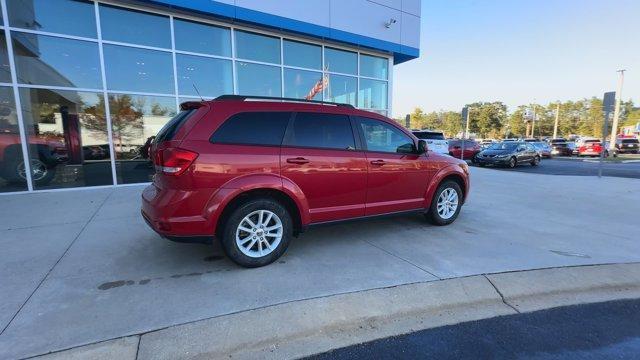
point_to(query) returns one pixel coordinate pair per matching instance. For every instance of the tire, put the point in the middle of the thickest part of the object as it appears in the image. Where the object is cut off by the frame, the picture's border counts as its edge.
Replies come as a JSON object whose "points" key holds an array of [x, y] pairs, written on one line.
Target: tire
{"points": [[15, 172], [535, 161], [441, 218], [250, 255], [513, 162]]}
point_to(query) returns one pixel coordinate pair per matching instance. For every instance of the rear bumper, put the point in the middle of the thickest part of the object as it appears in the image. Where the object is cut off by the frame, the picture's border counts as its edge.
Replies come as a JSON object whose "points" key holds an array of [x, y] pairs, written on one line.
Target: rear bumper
{"points": [[627, 150], [176, 215]]}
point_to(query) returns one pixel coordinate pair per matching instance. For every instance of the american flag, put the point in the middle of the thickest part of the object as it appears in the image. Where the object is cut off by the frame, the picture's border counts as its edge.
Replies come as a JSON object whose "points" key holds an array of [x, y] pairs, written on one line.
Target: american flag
{"points": [[318, 87]]}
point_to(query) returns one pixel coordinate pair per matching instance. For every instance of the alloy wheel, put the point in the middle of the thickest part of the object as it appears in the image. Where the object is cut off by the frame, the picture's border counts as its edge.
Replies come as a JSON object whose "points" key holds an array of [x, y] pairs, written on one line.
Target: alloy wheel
{"points": [[447, 203], [38, 170], [259, 233]]}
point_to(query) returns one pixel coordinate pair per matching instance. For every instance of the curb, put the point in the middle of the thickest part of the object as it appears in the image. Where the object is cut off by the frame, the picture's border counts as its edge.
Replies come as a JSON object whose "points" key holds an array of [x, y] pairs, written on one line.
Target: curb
{"points": [[307, 327]]}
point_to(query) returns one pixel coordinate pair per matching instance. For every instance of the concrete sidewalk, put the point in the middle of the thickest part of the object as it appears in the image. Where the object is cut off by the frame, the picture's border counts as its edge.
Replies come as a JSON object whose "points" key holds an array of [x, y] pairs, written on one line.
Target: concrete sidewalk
{"points": [[80, 267]]}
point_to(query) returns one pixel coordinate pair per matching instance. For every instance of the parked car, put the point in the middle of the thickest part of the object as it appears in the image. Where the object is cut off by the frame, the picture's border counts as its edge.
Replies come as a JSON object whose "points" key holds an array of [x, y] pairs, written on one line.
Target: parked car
{"points": [[254, 172], [627, 145], [436, 141], [486, 143], [562, 148], [543, 148], [471, 148], [509, 154], [557, 141], [592, 147]]}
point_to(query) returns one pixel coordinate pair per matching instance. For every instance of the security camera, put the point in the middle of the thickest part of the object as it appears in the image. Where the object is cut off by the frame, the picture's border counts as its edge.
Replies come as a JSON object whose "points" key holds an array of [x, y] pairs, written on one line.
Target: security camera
{"points": [[390, 22]]}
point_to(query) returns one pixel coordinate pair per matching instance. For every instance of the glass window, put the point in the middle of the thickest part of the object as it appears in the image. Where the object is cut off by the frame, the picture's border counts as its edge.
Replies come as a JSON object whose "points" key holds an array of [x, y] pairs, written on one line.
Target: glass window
{"points": [[300, 84], [48, 60], [302, 55], [12, 176], [322, 131], [380, 136], [201, 38], [373, 94], [341, 89], [258, 80], [170, 129], [212, 77], [253, 128], [68, 142], [70, 17], [257, 47], [340, 61], [5, 69], [135, 120], [133, 69], [136, 27], [373, 66]]}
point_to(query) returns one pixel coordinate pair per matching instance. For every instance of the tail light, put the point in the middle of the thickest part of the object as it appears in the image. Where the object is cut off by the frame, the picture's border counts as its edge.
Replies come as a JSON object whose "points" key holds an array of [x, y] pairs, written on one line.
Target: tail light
{"points": [[174, 161]]}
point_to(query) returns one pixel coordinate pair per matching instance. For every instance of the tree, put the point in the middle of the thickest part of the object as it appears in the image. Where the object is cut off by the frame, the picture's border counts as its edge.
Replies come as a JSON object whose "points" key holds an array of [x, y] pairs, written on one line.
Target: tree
{"points": [[487, 119]]}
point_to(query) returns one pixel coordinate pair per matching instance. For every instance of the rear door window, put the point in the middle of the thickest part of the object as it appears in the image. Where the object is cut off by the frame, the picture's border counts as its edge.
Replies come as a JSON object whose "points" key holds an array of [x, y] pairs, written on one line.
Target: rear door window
{"points": [[253, 128], [328, 131]]}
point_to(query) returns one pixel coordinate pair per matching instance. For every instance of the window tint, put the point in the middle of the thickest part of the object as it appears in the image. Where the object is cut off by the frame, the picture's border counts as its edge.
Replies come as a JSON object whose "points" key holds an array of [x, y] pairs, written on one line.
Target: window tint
{"points": [[380, 136], [322, 131], [254, 128], [429, 135]]}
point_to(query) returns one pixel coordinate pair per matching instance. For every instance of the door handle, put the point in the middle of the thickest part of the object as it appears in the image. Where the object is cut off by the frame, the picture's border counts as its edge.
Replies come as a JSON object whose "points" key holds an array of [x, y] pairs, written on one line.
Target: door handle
{"points": [[298, 160], [378, 162]]}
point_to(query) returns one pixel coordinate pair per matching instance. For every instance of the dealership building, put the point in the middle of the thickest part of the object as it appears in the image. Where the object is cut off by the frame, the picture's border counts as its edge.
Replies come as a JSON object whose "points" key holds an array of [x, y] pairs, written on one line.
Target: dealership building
{"points": [[85, 84]]}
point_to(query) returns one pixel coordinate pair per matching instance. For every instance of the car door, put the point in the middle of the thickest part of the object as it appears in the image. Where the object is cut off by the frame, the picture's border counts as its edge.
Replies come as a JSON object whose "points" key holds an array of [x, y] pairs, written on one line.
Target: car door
{"points": [[521, 153], [319, 154], [397, 175]]}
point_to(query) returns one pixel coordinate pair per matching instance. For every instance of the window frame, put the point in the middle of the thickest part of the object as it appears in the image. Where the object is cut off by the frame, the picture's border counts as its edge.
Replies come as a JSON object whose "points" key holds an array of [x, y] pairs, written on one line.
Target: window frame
{"points": [[286, 142], [363, 140], [284, 134]]}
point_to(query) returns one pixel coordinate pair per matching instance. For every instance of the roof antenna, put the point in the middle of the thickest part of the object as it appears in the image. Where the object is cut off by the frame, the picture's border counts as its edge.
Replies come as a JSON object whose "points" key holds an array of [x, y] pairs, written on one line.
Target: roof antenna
{"points": [[198, 92]]}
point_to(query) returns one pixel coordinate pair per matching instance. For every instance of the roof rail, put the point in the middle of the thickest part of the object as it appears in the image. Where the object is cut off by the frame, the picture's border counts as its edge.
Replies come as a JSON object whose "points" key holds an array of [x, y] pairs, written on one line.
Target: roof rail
{"points": [[274, 98]]}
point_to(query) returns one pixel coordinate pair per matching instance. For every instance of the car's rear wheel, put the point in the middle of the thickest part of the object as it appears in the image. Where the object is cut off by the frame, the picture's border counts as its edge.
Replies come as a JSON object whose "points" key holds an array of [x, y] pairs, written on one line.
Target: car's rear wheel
{"points": [[535, 161], [512, 162], [257, 233], [40, 173], [446, 203]]}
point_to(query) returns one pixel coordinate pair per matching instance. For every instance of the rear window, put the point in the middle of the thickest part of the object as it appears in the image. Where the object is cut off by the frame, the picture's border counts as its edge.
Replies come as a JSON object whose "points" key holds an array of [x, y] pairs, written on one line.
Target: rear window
{"points": [[428, 135], [630, 141], [170, 129], [591, 141], [328, 131], [253, 128]]}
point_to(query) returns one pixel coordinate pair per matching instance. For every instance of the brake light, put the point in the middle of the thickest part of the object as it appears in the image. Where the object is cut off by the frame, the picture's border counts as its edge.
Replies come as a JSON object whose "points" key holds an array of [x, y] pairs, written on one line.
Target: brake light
{"points": [[174, 161]]}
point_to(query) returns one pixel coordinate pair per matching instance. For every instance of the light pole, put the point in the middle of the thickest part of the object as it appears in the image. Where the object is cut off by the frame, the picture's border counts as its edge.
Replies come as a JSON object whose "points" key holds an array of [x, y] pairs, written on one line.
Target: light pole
{"points": [[533, 120], [616, 113], [555, 125]]}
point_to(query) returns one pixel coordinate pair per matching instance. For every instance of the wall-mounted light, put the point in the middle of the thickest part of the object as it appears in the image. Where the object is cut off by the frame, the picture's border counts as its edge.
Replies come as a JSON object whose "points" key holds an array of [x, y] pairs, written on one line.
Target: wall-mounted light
{"points": [[390, 22]]}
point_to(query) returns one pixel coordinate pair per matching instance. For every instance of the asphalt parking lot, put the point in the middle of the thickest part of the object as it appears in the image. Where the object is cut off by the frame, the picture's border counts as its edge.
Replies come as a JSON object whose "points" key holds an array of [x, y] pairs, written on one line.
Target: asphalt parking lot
{"points": [[81, 266], [581, 167]]}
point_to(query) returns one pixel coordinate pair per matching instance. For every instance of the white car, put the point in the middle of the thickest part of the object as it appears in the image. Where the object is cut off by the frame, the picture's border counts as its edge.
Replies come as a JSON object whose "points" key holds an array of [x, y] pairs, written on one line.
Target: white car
{"points": [[436, 141]]}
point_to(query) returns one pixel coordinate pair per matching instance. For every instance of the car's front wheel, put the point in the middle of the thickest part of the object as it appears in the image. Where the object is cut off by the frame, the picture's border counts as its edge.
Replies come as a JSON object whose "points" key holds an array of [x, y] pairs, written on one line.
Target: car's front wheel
{"points": [[535, 161], [257, 233], [446, 203], [512, 162]]}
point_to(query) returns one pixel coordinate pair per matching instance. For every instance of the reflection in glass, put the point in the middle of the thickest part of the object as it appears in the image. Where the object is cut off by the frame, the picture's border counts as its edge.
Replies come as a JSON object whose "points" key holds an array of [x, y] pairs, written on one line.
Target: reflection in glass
{"points": [[257, 47], [340, 61], [48, 60], [5, 69], [373, 66], [299, 84], [12, 174], [133, 69], [212, 77], [71, 17], [135, 120], [258, 80], [341, 89], [302, 55], [68, 143], [373, 94], [201, 38], [136, 27]]}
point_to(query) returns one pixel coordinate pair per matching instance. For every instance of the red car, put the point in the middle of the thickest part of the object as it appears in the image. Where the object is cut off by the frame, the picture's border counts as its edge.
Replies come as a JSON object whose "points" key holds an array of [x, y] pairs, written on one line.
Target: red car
{"points": [[46, 154], [471, 148], [592, 148], [253, 172]]}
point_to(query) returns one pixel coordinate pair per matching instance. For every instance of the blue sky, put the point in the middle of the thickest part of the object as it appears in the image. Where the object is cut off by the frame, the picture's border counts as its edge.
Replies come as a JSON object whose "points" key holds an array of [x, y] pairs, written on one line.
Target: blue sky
{"points": [[518, 51]]}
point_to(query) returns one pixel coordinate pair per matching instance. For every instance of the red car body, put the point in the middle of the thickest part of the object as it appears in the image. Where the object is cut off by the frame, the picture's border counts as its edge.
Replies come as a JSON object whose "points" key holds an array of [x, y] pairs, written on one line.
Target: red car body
{"points": [[196, 179], [471, 148], [591, 148]]}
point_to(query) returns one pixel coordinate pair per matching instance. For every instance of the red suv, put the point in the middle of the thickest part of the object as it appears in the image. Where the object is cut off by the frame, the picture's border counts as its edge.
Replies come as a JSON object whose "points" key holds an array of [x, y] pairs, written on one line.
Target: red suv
{"points": [[253, 172]]}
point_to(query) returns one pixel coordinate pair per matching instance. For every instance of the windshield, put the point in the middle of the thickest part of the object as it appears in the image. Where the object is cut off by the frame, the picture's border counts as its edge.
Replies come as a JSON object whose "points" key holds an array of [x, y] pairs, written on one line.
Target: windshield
{"points": [[427, 135], [504, 146], [630, 141]]}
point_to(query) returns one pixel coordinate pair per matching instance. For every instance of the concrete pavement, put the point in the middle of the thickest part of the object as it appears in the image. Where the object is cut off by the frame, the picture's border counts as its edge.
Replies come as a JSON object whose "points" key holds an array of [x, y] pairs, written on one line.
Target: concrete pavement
{"points": [[81, 267]]}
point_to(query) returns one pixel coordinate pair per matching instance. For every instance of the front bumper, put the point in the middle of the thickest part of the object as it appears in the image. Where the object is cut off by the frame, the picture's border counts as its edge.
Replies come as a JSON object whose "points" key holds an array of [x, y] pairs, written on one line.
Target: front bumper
{"points": [[492, 160]]}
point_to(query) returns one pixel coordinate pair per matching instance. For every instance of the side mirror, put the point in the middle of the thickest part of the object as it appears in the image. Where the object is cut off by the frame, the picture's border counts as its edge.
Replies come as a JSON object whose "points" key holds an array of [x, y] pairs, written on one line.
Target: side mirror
{"points": [[422, 146]]}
